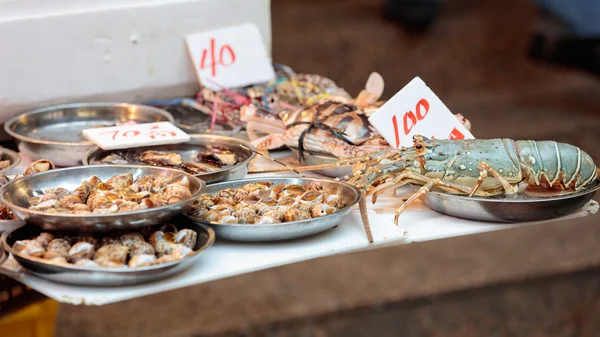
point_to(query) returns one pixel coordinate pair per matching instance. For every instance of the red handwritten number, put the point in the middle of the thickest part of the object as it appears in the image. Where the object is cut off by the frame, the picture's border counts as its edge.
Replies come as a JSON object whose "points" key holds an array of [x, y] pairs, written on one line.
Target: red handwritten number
{"points": [[455, 134], [395, 122], [224, 49], [131, 133], [411, 119], [422, 103]]}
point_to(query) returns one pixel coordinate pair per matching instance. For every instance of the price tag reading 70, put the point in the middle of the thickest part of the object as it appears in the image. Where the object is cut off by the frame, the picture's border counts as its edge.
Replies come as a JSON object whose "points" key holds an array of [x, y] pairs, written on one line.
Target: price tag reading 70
{"points": [[153, 132], [416, 110], [146, 134], [230, 57]]}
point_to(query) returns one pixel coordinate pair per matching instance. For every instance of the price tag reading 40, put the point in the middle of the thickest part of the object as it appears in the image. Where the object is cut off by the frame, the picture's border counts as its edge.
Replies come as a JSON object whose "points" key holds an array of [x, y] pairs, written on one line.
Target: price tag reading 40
{"points": [[416, 110], [230, 57], [136, 135]]}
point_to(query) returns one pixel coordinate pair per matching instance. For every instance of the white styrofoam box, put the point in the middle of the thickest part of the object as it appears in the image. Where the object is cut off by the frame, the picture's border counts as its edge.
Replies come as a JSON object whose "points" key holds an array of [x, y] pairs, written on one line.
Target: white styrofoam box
{"points": [[59, 51]]}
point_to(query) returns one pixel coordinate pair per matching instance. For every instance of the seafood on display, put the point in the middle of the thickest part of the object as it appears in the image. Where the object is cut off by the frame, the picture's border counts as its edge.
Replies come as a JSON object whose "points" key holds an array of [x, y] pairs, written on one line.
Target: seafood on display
{"points": [[209, 161], [122, 250], [288, 91], [482, 167], [120, 193], [266, 203], [334, 125], [4, 163], [37, 166]]}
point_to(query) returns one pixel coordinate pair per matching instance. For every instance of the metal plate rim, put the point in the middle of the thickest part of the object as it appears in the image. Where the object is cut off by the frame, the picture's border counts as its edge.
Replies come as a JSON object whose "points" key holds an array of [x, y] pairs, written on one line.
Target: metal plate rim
{"points": [[283, 224], [3, 189], [586, 191], [23, 138], [92, 151], [14, 156], [114, 271]]}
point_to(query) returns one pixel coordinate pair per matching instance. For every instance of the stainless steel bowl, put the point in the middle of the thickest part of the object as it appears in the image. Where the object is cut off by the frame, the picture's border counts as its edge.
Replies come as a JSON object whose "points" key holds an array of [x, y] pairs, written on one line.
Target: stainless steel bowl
{"points": [[14, 157], [314, 158], [55, 132], [3, 254], [286, 230], [16, 196], [7, 225], [99, 277], [198, 143], [508, 209]]}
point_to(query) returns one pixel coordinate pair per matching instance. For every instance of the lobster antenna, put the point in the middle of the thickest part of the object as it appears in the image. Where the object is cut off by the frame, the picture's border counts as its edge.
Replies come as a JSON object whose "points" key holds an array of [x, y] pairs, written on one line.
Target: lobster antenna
{"points": [[272, 159]]}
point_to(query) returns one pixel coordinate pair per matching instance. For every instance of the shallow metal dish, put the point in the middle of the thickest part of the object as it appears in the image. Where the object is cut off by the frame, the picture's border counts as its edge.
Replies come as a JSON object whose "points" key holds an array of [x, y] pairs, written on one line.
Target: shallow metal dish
{"points": [[286, 230], [99, 277], [7, 225], [315, 158], [3, 254], [507, 209], [55, 132], [16, 196], [14, 157], [198, 143]]}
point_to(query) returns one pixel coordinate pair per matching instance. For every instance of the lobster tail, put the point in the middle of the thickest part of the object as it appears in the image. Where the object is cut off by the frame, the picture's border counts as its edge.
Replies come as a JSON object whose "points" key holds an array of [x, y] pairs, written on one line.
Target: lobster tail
{"points": [[559, 165]]}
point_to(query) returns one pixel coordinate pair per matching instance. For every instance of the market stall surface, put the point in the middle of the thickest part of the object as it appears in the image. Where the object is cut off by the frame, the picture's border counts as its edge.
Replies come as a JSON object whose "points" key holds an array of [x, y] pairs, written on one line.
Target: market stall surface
{"points": [[226, 259]]}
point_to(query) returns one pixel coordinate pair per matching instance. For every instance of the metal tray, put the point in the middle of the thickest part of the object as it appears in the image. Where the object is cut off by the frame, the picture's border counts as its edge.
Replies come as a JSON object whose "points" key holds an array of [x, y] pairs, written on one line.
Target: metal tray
{"points": [[55, 132], [99, 277], [286, 230], [7, 225], [314, 158], [505, 208], [14, 157], [198, 143], [16, 196]]}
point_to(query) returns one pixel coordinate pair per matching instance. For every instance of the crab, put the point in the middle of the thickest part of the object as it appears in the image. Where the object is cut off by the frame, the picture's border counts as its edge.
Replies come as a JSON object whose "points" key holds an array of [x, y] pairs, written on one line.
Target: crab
{"points": [[335, 125]]}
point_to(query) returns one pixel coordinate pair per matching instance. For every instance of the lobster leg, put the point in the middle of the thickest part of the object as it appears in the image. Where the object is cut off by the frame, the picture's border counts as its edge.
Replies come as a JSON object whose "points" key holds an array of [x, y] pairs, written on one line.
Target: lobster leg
{"points": [[429, 184], [484, 168]]}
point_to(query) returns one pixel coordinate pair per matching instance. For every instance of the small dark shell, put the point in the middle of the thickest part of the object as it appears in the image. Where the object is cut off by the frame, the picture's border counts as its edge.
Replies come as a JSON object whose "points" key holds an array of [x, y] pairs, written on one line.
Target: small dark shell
{"points": [[110, 241], [29, 247], [142, 260], [59, 245], [210, 158], [81, 250], [186, 237], [131, 238], [138, 248], [51, 254], [89, 239], [113, 253], [44, 239], [161, 246]]}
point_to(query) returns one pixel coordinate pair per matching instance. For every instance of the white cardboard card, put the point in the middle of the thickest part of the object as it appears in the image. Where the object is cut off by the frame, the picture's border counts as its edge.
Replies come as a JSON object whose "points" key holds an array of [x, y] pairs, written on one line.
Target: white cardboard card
{"points": [[136, 135], [416, 110], [230, 57]]}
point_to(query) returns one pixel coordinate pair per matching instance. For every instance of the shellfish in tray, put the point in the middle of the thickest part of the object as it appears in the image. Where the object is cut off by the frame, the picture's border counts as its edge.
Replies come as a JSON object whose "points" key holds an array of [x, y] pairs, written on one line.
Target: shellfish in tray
{"points": [[210, 160], [266, 203], [118, 194], [335, 125], [129, 250], [37, 166]]}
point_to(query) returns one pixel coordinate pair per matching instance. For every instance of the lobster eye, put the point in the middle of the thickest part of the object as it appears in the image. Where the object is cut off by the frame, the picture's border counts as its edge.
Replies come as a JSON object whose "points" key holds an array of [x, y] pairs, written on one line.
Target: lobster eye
{"points": [[419, 146]]}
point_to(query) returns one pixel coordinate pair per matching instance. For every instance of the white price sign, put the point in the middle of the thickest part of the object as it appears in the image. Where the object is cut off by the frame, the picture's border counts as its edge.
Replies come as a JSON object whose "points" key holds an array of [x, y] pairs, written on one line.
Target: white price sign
{"points": [[230, 57], [416, 110], [136, 135]]}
